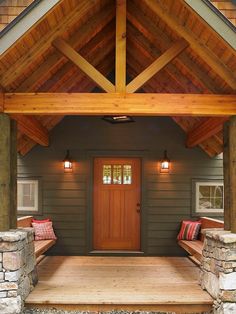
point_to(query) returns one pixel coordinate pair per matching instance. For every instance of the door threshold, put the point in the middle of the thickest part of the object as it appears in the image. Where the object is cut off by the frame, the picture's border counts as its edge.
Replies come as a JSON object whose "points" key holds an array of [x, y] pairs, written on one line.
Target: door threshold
{"points": [[116, 252]]}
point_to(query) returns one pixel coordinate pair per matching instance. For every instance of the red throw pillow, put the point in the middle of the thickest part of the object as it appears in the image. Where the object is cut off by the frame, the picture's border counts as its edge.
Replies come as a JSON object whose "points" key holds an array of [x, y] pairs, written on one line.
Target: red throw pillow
{"points": [[40, 221], [43, 231], [189, 230]]}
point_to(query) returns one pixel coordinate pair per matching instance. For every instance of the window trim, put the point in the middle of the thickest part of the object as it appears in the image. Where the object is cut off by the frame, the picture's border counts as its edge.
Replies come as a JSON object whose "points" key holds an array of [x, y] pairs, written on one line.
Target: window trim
{"points": [[195, 197], [21, 210]]}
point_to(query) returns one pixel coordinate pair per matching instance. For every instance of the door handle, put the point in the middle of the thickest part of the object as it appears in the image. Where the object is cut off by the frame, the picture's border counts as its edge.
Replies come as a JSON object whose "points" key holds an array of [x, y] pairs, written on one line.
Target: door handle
{"points": [[138, 209]]}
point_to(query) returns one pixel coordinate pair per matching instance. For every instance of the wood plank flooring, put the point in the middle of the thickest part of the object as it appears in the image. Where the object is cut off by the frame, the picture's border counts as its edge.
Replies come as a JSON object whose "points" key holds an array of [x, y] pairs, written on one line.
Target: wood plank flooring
{"points": [[131, 283]]}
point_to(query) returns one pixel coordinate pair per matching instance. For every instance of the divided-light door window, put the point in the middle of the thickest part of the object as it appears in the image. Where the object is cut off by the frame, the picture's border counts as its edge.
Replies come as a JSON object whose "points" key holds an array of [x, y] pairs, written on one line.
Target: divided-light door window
{"points": [[117, 174]]}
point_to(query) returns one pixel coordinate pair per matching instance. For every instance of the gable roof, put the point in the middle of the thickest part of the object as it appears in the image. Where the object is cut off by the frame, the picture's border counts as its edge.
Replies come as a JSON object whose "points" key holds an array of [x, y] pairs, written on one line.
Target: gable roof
{"points": [[10, 9], [207, 65], [227, 8]]}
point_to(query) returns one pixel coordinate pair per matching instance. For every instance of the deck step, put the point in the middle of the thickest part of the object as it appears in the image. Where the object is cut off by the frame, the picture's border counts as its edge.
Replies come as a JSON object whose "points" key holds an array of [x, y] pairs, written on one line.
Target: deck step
{"points": [[176, 308], [96, 283]]}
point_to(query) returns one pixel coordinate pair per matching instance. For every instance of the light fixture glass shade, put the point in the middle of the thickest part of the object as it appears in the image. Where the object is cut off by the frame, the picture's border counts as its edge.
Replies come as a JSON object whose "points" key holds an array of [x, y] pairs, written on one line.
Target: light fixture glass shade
{"points": [[165, 163], [67, 162]]}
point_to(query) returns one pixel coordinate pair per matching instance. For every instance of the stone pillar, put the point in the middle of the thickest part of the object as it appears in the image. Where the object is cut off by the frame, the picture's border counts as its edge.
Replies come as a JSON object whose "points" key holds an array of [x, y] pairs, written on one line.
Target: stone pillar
{"points": [[18, 273], [218, 270]]}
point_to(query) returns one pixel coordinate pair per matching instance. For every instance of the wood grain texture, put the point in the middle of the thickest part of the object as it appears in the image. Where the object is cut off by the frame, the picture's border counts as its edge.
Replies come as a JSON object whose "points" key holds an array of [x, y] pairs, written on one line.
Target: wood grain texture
{"points": [[207, 55], [232, 171], [227, 174], [133, 104], [103, 282], [84, 65], [116, 219], [205, 130], [6, 173], [120, 71], [33, 128], [156, 66]]}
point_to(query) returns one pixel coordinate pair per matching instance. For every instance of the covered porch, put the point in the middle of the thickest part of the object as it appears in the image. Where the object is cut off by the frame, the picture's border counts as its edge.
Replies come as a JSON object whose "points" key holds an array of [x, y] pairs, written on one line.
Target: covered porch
{"points": [[92, 283], [174, 74]]}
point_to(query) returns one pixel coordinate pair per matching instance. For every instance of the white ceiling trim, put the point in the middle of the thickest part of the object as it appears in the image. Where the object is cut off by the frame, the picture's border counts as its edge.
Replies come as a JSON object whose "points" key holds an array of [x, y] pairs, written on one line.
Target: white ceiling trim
{"points": [[25, 23], [214, 20]]}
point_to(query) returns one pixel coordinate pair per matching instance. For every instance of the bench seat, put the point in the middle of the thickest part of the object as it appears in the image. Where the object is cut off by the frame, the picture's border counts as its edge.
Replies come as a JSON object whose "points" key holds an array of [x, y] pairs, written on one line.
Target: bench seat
{"points": [[40, 247], [194, 248]]}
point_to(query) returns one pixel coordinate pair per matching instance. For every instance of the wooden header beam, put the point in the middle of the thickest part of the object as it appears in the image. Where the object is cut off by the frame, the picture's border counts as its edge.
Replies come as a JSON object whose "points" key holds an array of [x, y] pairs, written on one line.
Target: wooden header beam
{"points": [[120, 46], [143, 104]]}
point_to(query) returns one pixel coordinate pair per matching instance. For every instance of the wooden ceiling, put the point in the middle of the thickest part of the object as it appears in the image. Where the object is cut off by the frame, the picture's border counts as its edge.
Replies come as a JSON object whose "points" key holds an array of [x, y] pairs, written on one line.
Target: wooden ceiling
{"points": [[194, 60]]}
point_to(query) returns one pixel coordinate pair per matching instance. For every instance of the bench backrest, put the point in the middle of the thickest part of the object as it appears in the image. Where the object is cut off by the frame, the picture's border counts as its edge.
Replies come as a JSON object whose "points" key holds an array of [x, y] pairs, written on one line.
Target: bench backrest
{"points": [[24, 222], [208, 223]]}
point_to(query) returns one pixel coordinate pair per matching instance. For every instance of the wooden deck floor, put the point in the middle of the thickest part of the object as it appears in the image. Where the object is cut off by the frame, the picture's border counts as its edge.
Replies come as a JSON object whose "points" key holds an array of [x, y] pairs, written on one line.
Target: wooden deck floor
{"points": [[131, 283]]}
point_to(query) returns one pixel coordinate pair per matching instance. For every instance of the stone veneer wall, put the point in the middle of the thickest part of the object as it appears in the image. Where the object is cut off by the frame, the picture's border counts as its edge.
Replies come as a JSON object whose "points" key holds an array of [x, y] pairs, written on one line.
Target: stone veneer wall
{"points": [[218, 270], [18, 273]]}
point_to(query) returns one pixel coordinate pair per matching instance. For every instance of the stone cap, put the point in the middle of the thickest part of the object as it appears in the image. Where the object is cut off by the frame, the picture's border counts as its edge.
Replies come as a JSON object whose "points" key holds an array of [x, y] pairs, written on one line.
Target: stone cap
{"points": [[221, 235], [15, 235]]}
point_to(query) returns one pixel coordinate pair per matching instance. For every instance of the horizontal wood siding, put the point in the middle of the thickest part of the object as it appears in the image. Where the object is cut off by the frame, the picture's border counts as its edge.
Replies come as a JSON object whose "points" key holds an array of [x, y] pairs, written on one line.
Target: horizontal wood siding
{"points": [[166, 198]]}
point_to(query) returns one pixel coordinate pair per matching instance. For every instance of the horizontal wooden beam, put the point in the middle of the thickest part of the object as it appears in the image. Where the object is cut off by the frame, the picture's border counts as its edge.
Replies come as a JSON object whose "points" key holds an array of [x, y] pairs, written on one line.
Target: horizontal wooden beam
{"points": [[84, 65], [108, 103], [205, 130], [156, 66], [33, 128]]}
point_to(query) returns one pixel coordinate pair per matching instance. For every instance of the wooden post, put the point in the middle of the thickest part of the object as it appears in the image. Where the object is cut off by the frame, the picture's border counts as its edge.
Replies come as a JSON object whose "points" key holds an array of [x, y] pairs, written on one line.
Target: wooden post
{"points": [[227, 219], [13, 174], [7, 173], [232, 170]]}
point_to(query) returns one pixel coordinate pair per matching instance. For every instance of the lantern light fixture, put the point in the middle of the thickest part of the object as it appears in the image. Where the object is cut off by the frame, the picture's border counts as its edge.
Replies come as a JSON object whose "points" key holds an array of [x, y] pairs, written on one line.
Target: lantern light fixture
{"points": [[67, 162], [165, 163]]}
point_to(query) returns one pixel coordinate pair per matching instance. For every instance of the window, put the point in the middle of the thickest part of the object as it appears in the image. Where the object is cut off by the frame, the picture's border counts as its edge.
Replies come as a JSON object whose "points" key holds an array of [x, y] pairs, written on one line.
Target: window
{"points": [[117, 174], [208, 197], [28, 195]]}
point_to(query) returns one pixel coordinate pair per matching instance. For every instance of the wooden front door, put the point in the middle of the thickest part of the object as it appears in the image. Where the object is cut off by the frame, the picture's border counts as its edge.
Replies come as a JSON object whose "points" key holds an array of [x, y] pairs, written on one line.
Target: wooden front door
{"points": [[116, 208]]}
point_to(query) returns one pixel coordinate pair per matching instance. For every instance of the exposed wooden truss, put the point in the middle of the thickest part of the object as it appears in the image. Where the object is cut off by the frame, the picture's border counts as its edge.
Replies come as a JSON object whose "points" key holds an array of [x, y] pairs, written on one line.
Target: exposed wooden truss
{"points": [[109, 103], [33, 128], [157, 49], [120, 71], [84, 65], [205, 130], [207, 55], [156, 66]]}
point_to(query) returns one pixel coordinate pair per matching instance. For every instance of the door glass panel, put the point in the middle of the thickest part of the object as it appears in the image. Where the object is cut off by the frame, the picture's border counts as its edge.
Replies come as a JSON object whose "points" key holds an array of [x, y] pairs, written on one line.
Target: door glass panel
{"points": [[106, 174], [117, 174], [127, 174]]}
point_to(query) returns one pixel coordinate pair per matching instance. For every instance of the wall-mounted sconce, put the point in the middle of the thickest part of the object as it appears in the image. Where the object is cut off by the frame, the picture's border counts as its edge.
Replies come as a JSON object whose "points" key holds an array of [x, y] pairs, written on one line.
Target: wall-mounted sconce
{"points": [[67, 162], [165, 163]]}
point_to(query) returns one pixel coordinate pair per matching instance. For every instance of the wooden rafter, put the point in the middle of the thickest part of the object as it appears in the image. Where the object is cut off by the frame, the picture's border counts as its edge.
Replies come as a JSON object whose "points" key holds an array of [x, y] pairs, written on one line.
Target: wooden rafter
{"points": [[156, 66], [80, 11], [160, 39], [110, 103], [145, 55], [84, 65], [120, 46], [206, 54], [205, 130], [85, 33], [33, 128]]}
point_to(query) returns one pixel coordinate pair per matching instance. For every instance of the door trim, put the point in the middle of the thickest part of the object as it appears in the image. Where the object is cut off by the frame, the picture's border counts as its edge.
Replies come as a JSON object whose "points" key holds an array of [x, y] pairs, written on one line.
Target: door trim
{"points": [[89, 157]]}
